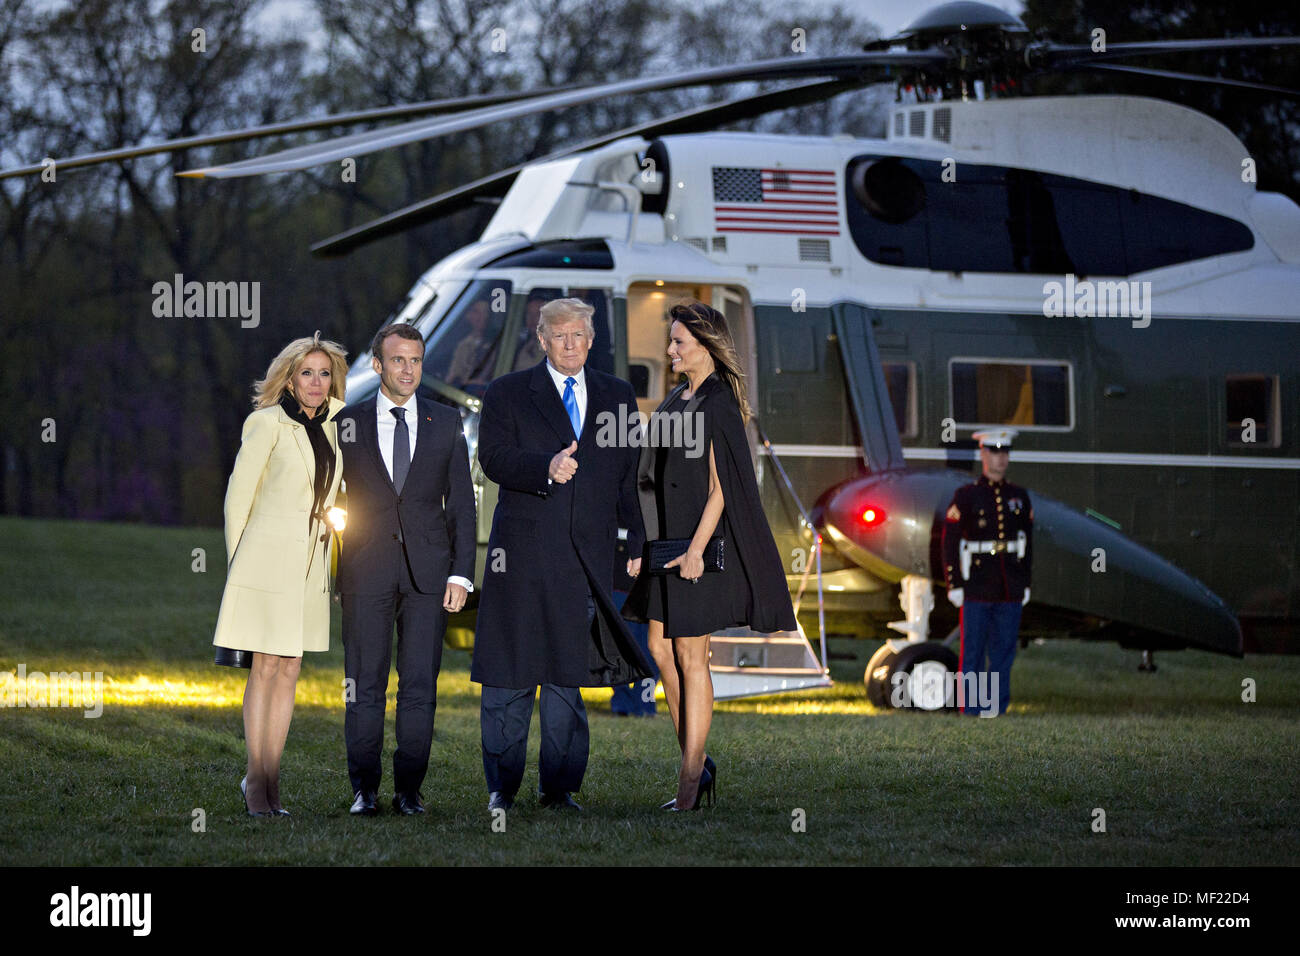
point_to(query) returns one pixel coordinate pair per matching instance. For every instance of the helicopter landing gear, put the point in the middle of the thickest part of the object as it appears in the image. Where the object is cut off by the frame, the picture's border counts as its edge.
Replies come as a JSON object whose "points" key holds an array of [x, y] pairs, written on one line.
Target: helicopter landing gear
{"points": [[918, 675]]}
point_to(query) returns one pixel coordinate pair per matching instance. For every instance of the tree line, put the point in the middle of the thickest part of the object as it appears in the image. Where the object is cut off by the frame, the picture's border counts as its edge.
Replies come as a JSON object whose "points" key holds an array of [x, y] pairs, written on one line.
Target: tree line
{"points": [[117, 413]]}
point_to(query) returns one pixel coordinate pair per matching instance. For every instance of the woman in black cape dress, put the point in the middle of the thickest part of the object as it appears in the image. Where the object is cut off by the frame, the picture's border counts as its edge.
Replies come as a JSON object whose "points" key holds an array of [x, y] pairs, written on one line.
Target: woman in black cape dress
{"points": [[699, 484]]}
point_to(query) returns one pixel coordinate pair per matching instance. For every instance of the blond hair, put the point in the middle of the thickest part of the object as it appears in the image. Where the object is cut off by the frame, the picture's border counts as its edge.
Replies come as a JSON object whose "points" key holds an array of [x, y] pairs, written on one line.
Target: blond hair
{"points": [[269, 390], [560, 310]]}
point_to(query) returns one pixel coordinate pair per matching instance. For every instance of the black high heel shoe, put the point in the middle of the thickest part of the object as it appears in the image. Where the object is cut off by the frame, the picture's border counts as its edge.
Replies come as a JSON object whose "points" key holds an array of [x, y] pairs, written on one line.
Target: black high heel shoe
{"points": [[705, 787], [711, 769]]}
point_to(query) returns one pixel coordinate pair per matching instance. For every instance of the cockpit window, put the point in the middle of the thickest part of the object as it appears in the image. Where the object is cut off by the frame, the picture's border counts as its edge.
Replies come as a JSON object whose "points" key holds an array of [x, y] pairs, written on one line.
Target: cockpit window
{"points": [[463, 349], [528, 352]]}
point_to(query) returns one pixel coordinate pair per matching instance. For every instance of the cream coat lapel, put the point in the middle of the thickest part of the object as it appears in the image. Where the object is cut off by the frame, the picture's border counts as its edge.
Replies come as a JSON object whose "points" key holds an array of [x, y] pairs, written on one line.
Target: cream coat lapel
{"points": [[332, 432], [303, 442]]}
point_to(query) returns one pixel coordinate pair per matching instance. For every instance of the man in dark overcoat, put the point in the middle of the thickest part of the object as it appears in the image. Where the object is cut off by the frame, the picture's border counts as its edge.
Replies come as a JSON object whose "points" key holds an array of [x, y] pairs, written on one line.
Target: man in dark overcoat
{"points": [[546, 616]]}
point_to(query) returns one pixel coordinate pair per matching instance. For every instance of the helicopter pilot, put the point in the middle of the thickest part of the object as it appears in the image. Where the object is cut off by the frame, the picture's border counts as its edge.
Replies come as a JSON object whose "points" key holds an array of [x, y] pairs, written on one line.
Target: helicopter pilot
{"points": [[471, 363], [530, 346], [987, 544]]}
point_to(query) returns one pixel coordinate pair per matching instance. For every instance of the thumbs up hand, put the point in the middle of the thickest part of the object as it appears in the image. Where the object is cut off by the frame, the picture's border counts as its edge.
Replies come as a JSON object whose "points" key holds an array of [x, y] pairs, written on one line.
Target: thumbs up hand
{"points": [[563, 466]]}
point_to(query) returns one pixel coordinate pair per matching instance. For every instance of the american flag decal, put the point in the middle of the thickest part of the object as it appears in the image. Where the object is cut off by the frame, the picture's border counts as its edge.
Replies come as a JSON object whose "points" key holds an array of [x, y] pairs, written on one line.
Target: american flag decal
{"points": [[803, 202]]}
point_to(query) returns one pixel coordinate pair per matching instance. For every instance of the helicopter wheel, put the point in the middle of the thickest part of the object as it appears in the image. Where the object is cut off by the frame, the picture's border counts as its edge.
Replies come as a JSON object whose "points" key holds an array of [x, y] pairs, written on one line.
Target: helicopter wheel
{"points": [[928, 684]]}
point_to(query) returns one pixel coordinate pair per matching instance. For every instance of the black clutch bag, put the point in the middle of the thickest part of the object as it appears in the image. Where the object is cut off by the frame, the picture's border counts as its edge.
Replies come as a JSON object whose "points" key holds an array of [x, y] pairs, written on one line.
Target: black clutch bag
{"points": [[659, 553], [229, 657]]}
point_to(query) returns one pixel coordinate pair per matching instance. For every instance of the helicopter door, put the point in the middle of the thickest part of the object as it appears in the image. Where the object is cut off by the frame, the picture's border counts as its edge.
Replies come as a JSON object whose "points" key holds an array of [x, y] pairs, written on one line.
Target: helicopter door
{"points": [[743, 663], [648, 303], [882, 449]]}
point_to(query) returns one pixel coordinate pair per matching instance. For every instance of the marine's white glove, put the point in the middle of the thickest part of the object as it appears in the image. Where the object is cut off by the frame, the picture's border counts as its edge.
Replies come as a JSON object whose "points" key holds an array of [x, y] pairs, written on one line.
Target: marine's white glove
{"points": [[1026, 598], [956, 596]]}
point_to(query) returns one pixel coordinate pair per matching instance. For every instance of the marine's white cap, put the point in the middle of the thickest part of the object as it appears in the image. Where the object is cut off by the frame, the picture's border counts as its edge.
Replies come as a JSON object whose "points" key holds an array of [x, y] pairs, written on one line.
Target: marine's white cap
{"points": [[996, 438]]}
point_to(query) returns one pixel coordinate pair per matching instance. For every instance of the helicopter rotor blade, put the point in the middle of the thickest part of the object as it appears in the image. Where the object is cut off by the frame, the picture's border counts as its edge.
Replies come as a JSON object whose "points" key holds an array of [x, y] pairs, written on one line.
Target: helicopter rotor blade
{"points": [[452, 105], [1186, 78], [1055, 53], [304, 157], [692, 120]]}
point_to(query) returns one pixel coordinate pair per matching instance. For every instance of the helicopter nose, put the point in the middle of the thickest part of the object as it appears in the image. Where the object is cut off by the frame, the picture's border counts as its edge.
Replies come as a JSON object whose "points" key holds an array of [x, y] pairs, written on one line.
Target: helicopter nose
{"points": [[882, 524], [892, 524]]}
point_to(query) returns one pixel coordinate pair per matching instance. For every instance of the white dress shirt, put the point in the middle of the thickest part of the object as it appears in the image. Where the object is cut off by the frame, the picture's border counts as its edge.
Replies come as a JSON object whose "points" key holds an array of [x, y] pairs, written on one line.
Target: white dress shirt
{"points": [[387, 423], [388, 426]]}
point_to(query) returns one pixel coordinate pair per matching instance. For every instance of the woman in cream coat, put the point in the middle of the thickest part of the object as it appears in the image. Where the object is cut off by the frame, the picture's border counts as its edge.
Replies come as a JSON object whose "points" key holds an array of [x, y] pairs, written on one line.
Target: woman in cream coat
{"points": [[276, 601]]}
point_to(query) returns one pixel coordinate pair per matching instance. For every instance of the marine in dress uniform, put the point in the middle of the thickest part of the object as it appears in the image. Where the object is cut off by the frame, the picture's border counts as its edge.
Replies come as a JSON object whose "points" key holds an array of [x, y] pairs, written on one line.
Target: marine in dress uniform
{"points": [[987, 549]]}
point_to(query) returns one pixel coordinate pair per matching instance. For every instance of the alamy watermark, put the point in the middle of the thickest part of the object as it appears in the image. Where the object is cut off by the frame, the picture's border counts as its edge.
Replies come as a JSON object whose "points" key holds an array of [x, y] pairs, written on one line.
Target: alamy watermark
{"points": [[933, 688], [635, 429], [1086, 299], [208, 300], [58, 689], [74, 908]]}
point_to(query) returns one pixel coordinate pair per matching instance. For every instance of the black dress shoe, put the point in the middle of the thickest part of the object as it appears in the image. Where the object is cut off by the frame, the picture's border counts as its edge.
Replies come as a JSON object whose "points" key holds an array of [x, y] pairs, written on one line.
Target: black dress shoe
{"points": [[407, 804], [497, 800], [364, 804], [559, 801]]}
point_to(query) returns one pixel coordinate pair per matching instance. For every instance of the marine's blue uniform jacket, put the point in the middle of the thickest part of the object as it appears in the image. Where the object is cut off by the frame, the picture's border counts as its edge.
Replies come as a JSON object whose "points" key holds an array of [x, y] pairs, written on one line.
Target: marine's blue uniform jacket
{"points": [[991, 517]]}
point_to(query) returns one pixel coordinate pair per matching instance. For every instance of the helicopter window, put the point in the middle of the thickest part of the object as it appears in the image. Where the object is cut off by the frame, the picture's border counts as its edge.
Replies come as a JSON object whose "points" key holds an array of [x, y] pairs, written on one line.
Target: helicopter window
{"points": [[900, 378], [795, 351], [640, 374], [528, 350], [1159, 232], [564, 254], [960, 215], [1002, 392], [601, 356], [1253, 407], [1060, 225], [463, 348], [924, 214]]}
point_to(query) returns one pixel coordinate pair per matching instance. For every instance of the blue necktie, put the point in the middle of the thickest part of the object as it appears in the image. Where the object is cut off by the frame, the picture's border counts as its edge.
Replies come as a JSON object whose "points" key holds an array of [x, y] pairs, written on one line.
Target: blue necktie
{"points": [[571, 406]]}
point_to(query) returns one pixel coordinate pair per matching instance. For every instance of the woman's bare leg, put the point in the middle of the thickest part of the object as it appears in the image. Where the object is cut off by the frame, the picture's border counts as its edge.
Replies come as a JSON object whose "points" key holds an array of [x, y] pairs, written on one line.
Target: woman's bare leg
{"points": [[280, 714], [692, 654], [257, 707], [666, 661]]}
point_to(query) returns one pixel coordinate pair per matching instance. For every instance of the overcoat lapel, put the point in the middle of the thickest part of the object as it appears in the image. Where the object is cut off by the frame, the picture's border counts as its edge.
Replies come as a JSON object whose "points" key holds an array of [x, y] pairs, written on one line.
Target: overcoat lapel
{"points": [[304, 445], [548, 403], [597, 397]]}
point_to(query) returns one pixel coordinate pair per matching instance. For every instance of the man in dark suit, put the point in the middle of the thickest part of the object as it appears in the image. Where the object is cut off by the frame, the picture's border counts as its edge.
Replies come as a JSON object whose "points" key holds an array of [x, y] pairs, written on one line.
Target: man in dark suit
{"points": [[546, 615], [407, 557]]}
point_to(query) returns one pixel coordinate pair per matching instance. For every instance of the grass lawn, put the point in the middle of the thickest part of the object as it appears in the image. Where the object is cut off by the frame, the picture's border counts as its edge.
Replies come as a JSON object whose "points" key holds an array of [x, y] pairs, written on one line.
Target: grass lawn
{"points": [[1185, 771]]}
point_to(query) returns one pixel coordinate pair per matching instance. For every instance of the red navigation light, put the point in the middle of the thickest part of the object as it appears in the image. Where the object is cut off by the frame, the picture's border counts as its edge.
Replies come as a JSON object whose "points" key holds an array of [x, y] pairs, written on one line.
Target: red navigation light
{"points": [[872, 517]]}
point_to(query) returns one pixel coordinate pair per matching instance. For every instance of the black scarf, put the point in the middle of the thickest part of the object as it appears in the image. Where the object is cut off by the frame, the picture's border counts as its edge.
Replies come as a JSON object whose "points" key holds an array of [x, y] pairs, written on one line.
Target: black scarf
{"points": [[320, 446]]}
